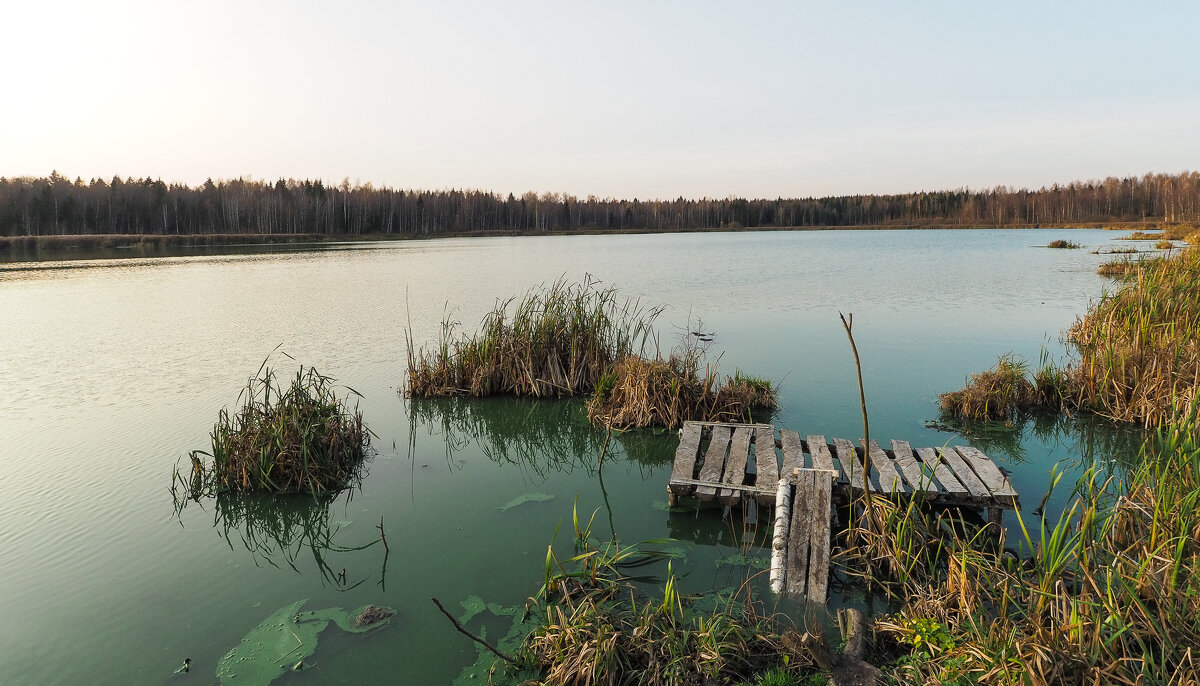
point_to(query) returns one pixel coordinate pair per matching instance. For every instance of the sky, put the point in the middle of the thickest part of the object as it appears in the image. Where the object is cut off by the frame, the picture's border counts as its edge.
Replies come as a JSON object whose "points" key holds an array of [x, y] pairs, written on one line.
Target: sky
{"points": [[648, 99]]}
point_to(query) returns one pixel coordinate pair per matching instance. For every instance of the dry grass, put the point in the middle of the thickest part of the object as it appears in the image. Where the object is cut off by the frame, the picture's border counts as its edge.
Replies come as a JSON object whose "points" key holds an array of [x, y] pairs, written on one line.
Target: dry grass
{"points": [[1117, 268], [1060, 243], [1139, 346], [556, 341], [1107, 593], [1002, 392], [642, 392]]}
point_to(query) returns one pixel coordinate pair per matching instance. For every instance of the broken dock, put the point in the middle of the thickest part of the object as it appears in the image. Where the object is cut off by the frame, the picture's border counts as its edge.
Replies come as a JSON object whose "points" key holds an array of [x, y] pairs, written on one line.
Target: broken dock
{"points": [[804, 477]]}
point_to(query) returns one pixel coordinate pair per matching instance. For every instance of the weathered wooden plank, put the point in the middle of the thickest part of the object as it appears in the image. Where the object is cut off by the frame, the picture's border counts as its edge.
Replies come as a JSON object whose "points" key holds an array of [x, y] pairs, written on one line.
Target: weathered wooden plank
{"points": [[818, 564], [852, 467], [818, 447], [735, 465], [714, 461], [951, 487], [990, 474], [798, 539], [890, 480], [717, 485], [766, 462], [685, 458], [783, 516], [793, 453], [917, 474], [965, 475]]}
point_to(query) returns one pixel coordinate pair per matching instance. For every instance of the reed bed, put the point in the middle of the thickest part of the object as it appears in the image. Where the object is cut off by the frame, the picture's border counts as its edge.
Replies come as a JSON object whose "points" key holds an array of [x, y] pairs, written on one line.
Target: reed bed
{"points": [[299, 437], [1108, 592], [1002, 392], [556, 341], [1117, 268], [1060, 243], [1139, 346], [642, 392]]}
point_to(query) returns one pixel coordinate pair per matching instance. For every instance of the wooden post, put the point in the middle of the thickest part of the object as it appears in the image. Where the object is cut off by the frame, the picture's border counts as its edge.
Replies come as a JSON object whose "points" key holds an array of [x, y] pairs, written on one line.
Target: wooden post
{"points": [[783, 514]]}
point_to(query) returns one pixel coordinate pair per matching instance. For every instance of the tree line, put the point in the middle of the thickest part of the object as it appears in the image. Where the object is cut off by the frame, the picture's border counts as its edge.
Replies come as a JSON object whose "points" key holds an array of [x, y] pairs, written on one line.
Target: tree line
{"points": [[56, 205]]}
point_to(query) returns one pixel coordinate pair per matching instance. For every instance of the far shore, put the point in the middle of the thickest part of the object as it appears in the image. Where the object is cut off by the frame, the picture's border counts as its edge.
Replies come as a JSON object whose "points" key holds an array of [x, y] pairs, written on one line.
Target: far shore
{"points": [[21, 248]]}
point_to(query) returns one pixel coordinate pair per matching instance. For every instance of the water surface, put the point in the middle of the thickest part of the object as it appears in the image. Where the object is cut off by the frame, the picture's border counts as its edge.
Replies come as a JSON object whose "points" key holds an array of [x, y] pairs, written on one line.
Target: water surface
{"points": [[113, 370]]}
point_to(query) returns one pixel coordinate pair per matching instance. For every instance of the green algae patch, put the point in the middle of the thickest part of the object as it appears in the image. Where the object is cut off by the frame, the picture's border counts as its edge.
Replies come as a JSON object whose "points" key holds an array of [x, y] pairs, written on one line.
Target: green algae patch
{"points": [[287, 639], [472, 606], [527, 498]]}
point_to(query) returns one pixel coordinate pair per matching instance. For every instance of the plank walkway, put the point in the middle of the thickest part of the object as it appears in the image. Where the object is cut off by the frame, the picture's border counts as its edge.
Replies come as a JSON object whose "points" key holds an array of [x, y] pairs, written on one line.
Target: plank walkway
{"points": [[729, 463]]}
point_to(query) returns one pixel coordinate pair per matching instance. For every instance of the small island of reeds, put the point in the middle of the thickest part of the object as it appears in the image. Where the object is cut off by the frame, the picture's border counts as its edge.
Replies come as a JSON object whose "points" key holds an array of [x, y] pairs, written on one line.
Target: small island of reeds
{"points": [[582, 339], [295, 438], [1060, 243]]}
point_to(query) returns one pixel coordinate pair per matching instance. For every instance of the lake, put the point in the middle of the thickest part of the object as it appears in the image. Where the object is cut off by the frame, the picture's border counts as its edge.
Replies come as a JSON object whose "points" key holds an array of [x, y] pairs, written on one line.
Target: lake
{"points": [[113, 370]]}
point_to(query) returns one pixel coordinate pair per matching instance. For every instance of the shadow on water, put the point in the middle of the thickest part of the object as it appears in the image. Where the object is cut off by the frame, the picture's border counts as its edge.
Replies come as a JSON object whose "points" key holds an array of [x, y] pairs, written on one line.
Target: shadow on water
{"points": [[280, 530]]}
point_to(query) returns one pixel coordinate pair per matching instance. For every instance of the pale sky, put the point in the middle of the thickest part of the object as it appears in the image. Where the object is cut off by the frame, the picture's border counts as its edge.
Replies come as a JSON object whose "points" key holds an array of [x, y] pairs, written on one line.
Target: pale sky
{"points": [[626, 99]]}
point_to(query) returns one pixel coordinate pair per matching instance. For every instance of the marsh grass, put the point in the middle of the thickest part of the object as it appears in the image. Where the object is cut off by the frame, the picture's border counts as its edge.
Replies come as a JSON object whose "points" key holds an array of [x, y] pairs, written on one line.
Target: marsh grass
{"points": [[1107, 592], [555, 341], [1000, 393], [598, 627], [1060, 243], [1139, 346], [1164, 245], [297, 437], [641, 392], [1117, 268], [568, 340]]}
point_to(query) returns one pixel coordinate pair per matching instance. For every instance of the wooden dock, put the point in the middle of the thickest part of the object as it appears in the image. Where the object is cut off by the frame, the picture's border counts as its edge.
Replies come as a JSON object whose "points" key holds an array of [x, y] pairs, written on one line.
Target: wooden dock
{"points": [[732, 462]]}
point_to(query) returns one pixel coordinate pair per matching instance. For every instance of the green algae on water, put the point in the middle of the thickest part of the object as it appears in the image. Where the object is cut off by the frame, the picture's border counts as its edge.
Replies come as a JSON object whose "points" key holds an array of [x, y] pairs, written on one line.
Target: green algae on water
{"points": [[527, 498], [285, 640]]}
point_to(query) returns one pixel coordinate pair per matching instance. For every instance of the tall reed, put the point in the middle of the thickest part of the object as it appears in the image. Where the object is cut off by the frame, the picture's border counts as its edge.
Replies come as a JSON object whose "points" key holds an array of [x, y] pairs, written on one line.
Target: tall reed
{"points": [[556, 341], [1139, 346], [299, 437], [1107, 592]]}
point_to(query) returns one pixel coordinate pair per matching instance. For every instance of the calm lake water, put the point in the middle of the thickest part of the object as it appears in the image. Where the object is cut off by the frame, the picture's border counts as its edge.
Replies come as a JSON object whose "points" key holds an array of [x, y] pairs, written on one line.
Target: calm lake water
{"points": [[112, 371]]}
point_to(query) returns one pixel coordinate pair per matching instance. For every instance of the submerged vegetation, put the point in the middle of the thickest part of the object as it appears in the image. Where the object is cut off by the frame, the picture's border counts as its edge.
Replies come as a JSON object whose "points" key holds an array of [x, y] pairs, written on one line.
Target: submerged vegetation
{"points": [[570, 340], [296, 438]]}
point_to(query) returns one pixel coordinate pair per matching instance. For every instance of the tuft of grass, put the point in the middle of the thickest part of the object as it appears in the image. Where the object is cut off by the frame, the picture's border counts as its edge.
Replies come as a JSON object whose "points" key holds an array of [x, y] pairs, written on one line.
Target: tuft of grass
{"points": [[641, 392], [1060, 243], [1164, 244], [298, 437], [1143, 236], [998, 393], [556, 341]]}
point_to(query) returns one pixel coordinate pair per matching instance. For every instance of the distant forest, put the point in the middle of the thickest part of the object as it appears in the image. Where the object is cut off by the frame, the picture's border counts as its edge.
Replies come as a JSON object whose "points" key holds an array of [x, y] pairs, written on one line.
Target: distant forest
{"points": [[55, 205]]}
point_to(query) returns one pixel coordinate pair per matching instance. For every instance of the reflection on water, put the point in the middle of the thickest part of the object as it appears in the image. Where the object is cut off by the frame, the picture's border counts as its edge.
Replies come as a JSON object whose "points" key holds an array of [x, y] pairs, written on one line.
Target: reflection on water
{"points": [[279, 529], [1088, 440], [540, 436]]}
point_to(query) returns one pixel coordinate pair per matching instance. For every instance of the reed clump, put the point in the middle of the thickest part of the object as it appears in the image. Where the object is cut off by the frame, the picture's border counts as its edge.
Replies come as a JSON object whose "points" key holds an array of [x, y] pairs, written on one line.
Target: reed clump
{"points": [[1002, 392], [1117, 268], [1108, 592], [1061, 243], [297, 437], [1164, 244], [556, 341], [640, 392]]}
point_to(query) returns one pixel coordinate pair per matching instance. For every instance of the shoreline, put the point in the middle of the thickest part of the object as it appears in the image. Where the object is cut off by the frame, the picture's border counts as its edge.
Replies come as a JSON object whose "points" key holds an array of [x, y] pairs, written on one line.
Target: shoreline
{"points": [[54, 246]]}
